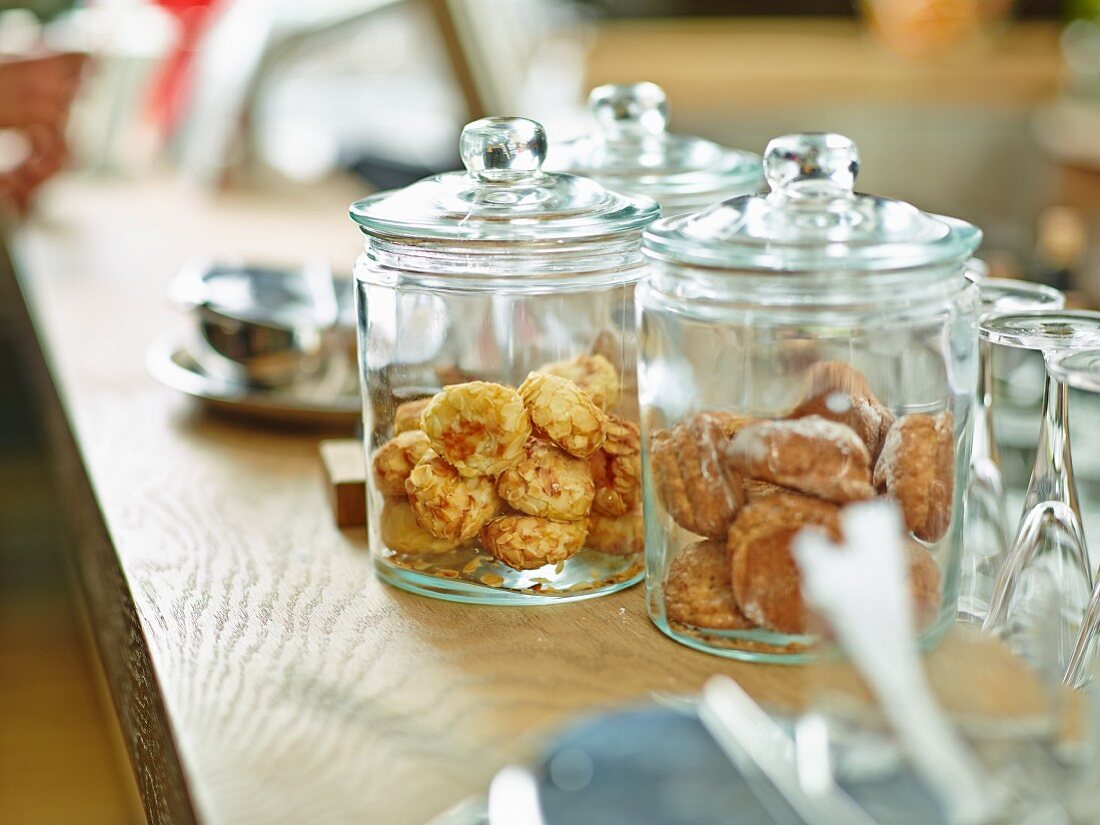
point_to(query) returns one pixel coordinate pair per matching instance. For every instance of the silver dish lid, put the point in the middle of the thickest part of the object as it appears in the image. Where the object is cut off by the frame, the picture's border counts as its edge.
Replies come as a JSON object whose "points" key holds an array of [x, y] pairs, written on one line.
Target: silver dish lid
{"points": [[503, 196], [631, 152], [812, 220]]}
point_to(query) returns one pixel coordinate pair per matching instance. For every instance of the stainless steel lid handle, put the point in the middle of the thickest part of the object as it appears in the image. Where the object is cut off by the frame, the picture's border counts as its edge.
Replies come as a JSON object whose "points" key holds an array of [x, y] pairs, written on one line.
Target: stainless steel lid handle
{"points": [[634, 109], [811, 165], [503, 149]]}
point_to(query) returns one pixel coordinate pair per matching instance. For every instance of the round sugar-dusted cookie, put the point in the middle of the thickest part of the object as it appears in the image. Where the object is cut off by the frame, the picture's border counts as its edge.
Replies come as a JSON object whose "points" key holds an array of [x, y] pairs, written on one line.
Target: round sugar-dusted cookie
{"points": [[840, 393], [698, 591], [766, 582], [917, 469], [699, 490], [811, 455], [924, 581], [756, 490]]}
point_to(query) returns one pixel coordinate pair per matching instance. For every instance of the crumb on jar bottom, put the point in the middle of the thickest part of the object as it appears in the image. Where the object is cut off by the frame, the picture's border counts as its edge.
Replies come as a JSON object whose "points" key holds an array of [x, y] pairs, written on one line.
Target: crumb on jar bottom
{"points": [[586, 570]]}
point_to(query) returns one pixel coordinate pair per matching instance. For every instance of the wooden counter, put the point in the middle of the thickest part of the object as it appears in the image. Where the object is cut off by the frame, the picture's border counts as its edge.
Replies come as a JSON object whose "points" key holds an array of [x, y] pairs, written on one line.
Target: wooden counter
{"points": [[260, 670], [736, 64]]}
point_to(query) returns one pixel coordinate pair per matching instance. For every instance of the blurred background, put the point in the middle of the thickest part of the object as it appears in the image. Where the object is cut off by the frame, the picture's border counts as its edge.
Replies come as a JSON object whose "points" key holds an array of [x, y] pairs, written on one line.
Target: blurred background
{"points": [[983, 109]]}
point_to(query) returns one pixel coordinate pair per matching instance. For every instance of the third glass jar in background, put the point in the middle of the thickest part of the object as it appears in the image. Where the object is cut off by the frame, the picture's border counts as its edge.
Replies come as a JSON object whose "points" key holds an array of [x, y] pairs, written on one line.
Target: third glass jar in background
{"points": [[631, 152], [799, 351]]}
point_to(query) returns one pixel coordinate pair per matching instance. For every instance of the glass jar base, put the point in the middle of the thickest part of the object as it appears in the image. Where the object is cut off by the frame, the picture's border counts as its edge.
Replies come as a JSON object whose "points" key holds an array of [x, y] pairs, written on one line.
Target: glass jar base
{"points": [[776, 648], [589, 577]]}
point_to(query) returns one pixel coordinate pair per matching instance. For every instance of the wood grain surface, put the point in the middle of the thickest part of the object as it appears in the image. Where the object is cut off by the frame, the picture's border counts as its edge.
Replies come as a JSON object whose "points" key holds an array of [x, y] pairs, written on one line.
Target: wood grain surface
{"points": [[261, 671]]}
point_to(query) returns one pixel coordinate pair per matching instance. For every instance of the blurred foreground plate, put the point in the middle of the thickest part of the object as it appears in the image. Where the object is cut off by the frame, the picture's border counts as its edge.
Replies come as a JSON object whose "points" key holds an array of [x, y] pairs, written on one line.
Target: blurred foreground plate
{"points": [[658, 766]]}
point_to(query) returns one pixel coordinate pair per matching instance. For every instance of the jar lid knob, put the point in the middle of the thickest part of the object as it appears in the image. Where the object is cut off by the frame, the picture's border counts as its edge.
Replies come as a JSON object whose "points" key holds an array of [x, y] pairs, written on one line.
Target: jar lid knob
{"points": [[503, 149], [812, 165], [629, 108]]}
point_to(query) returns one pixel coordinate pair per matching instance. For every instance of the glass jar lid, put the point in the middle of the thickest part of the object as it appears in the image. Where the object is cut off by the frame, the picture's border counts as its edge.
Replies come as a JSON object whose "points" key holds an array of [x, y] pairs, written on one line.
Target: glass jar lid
{"points": [[631, 151], [811, 220], [503, 195]]}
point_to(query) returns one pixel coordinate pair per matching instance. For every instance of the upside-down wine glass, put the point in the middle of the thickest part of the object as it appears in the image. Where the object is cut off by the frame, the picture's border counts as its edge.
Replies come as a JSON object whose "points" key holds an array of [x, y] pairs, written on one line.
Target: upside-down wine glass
{"points": [[1080, 369], [1050, 536], [986, 528]]}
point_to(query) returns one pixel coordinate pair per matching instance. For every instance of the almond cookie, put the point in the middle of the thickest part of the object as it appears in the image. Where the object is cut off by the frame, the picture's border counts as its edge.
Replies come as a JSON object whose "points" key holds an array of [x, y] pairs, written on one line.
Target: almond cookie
{"points": [[528, 542], [840, 393], [563, 412], [812, 455], [618, 480], [592, 373], [623, 437], [917, 469], [617, 468], [697, 488], [395, 459], [480, 428], [446, 504], [407, 415], [616, 535], [765, 577], [548, 482], [698, 592], [402, 534]]}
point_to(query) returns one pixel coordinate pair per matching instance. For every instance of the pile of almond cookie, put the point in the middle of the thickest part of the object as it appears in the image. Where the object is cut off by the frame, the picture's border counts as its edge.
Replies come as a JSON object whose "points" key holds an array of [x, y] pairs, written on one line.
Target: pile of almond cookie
{"points": [[746, 486], [529, 475]]}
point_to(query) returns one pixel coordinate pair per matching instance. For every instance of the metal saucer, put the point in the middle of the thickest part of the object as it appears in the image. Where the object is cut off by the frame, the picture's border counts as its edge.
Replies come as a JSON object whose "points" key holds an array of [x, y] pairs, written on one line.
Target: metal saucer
{"points": [[266, 326], [328, 399]]}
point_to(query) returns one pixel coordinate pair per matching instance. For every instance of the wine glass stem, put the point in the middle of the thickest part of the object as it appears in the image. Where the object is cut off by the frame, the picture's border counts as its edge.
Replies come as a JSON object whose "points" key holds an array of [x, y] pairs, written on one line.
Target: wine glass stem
{"points": [[1052, 474], [985, 442]]}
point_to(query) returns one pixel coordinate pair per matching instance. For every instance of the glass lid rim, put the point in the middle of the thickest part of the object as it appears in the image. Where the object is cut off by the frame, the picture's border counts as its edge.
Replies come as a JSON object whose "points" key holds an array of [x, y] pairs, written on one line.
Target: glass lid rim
{"points": [[748, 165], [630, 212], [812, 219], [503, 194], [694, 183], [761, 254]]}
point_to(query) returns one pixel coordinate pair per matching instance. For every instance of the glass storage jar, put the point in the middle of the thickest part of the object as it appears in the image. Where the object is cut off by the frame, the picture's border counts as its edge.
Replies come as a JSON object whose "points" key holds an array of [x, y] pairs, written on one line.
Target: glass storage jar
{"points": [[631, 152], [485, 483], [799, 351]]}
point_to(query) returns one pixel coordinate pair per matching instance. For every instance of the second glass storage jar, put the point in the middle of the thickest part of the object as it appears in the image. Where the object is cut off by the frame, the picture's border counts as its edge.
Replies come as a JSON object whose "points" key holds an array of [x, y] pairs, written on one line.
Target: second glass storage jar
{"points": [[800, 351], [497, 356]]}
